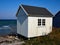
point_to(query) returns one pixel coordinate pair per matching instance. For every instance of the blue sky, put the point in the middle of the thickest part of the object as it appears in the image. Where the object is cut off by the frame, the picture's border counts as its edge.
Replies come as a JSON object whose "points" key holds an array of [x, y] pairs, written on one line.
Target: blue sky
{"points": [[8, 8]]}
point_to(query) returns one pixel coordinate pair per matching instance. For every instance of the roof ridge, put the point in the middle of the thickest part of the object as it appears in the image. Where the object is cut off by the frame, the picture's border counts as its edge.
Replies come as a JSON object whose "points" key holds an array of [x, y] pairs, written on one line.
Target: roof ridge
{"points": [[57, 13], [32, 6]]}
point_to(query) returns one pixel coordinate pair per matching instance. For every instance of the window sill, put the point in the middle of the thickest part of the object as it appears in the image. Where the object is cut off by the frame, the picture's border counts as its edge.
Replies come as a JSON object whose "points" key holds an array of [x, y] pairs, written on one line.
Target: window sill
{"points": [[40, 26]]}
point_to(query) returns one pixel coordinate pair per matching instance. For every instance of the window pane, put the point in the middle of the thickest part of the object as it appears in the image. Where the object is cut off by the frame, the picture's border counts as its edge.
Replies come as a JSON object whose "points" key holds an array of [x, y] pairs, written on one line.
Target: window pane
{"points": [[39, 20], [43, 23], [43, 20]]}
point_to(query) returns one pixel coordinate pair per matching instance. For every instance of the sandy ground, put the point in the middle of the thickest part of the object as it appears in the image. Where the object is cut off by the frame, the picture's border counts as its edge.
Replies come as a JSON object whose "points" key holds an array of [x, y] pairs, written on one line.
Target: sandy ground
{"points": [[10, 40]]}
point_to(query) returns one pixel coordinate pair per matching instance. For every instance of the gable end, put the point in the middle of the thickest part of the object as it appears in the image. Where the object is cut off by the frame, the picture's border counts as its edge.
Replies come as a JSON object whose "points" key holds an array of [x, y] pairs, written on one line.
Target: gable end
{"points": [[22, 9]]}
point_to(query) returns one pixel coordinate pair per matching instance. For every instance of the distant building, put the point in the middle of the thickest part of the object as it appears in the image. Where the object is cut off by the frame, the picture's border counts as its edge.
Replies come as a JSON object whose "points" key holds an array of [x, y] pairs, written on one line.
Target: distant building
{"points": [[56, 20], [33, 21]]}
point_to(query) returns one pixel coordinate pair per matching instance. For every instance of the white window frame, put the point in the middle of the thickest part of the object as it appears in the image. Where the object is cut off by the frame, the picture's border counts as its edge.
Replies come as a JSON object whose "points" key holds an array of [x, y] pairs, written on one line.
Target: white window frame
{"points": [[42, 22]]}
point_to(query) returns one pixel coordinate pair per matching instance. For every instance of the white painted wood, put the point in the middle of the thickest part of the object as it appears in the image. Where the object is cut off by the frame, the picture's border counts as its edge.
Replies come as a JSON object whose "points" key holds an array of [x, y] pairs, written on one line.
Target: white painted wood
{"points": [[35, 30], [18, 27], [22, 23]]}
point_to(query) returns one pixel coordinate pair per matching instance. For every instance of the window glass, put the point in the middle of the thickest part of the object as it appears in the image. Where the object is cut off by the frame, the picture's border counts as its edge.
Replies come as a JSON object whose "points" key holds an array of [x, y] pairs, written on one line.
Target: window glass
{"points": [[43, 21]]}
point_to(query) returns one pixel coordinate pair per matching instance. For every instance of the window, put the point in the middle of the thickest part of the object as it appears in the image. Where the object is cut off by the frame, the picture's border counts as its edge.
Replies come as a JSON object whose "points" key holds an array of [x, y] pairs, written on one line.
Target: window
{"points": [[41, 22]]}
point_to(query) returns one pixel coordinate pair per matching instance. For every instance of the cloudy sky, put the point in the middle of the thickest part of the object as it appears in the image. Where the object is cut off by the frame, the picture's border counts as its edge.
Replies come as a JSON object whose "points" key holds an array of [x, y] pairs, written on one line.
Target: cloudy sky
{"points": [[8, 8]]}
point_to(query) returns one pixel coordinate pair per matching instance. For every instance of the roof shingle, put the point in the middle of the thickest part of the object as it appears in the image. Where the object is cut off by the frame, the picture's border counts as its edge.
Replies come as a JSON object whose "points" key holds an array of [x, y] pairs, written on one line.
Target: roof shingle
{"points": [[37, 11]]}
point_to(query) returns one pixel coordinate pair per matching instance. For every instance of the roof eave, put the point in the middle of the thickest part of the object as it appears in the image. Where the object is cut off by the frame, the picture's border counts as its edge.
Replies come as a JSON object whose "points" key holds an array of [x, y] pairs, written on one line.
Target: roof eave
{"points": [[31, 15]]}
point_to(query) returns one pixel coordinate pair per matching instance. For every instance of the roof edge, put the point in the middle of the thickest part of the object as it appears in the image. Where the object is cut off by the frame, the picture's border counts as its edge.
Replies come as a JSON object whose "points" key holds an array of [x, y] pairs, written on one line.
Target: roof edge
{"points": [[18, 10], [57, 13], [29, 15], [49, 12], [22, 8]]}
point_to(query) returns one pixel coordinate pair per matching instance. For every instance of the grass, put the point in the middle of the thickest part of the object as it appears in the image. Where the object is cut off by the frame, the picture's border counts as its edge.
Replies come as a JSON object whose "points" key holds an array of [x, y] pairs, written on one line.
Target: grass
{"points": [[52, 39]]}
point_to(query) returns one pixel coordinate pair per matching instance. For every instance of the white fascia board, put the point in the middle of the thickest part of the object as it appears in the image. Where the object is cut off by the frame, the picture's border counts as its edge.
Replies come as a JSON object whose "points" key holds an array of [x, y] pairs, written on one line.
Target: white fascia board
{"points": [[24, 10]]}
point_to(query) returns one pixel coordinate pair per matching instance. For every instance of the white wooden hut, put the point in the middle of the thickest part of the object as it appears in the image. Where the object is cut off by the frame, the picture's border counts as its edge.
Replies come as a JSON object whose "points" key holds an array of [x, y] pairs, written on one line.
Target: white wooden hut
{"points": [[33, 21]]}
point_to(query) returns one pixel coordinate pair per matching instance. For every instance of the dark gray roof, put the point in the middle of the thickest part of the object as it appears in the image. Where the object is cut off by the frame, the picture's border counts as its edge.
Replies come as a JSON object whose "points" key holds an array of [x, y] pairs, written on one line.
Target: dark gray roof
{"points": [[37, 11], [57, 14]]}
